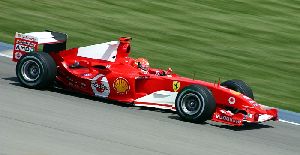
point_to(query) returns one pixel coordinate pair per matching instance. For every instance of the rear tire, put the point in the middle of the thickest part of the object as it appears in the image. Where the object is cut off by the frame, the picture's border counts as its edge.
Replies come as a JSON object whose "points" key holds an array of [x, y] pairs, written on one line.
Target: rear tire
{"points": [[239, 86], [195, 103], [36, 70]]}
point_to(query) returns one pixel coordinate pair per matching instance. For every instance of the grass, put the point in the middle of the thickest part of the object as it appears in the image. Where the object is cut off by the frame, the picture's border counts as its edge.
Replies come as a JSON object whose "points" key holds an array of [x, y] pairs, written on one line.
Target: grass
{"points": [[256, 41]]}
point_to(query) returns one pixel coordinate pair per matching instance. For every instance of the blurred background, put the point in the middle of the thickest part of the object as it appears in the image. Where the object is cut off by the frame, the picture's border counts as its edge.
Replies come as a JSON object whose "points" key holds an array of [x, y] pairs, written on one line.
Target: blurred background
{"points": [[256, 41]]}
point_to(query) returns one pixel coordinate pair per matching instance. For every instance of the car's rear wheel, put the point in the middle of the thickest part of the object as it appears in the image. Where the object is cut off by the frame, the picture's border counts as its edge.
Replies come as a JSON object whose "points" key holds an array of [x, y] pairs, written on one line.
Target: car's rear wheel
{"points": [[239, 86], [36, 70], [195, 103]]}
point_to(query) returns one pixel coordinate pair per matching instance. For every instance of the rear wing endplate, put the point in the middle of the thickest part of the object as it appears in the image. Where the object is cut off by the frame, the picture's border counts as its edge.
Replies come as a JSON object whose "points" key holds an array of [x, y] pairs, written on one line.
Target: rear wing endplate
{"points": [[28, 42], [24, 44]]}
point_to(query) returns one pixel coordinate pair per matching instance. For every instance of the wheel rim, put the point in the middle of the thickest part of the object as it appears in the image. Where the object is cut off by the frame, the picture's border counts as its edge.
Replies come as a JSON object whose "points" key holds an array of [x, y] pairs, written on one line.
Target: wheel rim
{"points": [[30, 70], [191, 104]]}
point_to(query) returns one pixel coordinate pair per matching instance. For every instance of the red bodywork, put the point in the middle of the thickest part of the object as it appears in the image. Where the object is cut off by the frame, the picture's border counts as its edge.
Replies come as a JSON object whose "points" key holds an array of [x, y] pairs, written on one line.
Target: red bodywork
{"points": [[122, 81]]}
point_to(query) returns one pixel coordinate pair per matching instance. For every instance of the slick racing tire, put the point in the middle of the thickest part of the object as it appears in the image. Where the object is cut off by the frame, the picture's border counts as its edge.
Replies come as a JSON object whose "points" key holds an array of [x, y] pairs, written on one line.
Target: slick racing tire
{"points": [[195, 103], [36, 70], [239, 86]]}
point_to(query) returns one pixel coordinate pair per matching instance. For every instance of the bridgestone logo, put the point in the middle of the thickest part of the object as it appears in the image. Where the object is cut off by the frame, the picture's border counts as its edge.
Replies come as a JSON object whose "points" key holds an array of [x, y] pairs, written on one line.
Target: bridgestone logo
{"points": [[228, 119]]}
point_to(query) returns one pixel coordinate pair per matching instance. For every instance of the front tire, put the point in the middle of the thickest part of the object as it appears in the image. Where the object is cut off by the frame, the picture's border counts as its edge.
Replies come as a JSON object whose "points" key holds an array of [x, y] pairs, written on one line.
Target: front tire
{"points": [[195, 103], [239, 86], [36, 70]]}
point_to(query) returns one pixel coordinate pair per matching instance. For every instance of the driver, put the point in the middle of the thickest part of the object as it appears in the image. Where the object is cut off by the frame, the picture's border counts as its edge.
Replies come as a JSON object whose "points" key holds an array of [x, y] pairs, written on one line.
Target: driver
{"points": [[144, 66]]}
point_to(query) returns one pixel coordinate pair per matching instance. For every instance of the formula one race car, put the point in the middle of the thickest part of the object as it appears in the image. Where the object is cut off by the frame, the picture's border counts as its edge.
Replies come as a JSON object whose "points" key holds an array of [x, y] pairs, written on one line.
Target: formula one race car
{"points": [[105, 70]]}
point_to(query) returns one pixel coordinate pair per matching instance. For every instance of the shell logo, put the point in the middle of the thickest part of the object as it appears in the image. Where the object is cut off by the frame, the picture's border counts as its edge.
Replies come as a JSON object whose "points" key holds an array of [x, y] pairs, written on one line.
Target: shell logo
{"points": [[121, 85]]}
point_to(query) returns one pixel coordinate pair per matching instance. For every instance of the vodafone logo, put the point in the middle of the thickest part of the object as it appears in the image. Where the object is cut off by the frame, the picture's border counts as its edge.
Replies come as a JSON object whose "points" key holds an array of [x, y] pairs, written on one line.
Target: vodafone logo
{"points": [[231, 100], [100, 86], [228, 119]]}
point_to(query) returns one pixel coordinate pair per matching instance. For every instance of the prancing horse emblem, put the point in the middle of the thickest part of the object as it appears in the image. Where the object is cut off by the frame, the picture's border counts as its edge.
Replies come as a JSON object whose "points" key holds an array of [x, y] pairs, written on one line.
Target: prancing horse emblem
{"points": [[176, 85]]}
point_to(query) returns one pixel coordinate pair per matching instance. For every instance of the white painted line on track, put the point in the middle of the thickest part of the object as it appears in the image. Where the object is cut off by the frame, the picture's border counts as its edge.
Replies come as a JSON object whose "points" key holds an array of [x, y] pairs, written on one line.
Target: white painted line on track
{"points": [[4, 55], [281, 120]]}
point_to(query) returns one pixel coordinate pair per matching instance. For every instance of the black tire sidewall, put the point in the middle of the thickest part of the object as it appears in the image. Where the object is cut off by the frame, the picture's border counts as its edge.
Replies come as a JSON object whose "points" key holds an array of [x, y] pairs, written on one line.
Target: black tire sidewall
{"points": [[45, 66], [204, 112]]}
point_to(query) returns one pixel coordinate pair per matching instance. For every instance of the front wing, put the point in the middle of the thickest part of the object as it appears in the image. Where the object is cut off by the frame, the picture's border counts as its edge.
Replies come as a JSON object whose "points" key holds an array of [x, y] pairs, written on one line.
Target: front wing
{"points": [[238, 119]]}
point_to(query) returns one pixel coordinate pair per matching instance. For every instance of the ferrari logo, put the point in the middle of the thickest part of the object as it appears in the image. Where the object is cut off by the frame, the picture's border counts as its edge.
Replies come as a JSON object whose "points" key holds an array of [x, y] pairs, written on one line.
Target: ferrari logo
{"points": [[176, 85]]}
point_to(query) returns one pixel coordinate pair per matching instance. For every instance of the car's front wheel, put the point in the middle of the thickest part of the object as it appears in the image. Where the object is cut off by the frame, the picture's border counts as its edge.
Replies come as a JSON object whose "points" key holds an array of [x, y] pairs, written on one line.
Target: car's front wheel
{"points": [[195, 103], [36, 70], [239, 86]]}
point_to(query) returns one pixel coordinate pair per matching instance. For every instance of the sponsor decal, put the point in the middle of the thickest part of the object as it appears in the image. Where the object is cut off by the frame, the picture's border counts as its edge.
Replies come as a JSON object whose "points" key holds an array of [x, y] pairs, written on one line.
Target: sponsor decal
{"points": [[246, 97], [25, 37], [254, 103], [24, 48], [100, 86], [231, 100], [121, 85], [228, 119], [25, 42], [251, 101], [18, 55], [76, 84], [176, 85], [142, 77], [82, 85], [87, 74]]}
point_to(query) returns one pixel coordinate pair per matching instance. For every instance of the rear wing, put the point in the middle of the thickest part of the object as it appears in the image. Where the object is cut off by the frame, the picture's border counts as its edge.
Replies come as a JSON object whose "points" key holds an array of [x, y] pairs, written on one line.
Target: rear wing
{"points": [[108, 51], [29, 42]]}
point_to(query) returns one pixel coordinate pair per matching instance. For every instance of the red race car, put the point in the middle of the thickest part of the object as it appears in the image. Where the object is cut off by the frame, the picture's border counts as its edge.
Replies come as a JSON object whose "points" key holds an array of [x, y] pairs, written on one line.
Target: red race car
{"points": [[105, 70]]}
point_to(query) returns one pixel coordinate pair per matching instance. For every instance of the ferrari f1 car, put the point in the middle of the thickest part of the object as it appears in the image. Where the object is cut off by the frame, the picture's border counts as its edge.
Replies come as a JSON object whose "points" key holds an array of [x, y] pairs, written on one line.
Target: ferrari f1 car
{"points": [[105, 70]]}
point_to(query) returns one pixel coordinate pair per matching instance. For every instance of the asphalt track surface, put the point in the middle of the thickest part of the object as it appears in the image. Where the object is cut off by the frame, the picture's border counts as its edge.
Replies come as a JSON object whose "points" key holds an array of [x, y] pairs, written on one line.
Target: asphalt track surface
{"points": [[35, 122]]}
